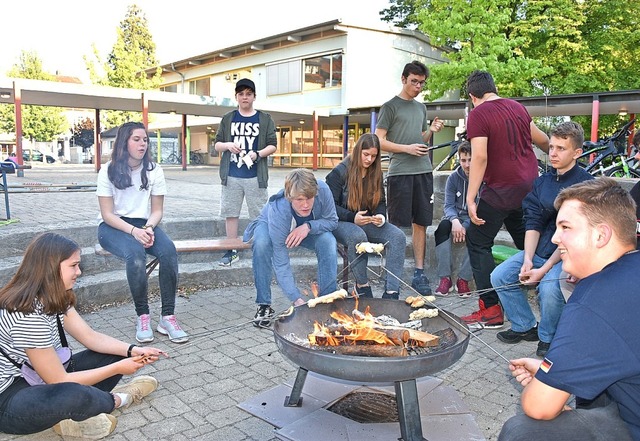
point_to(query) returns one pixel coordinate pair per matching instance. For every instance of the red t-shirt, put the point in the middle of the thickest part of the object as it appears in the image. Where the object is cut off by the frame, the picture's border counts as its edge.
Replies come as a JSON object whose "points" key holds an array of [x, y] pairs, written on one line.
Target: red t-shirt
{"points": [[511, 162]]}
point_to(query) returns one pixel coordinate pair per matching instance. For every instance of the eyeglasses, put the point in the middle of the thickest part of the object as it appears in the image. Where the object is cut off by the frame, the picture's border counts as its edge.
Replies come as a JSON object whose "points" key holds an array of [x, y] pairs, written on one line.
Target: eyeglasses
{"points": [[418, 83]]}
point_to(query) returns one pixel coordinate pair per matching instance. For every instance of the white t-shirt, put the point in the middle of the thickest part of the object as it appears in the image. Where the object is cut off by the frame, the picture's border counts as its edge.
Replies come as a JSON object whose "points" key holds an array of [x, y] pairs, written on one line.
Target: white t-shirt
{"points": [[134, 201]]}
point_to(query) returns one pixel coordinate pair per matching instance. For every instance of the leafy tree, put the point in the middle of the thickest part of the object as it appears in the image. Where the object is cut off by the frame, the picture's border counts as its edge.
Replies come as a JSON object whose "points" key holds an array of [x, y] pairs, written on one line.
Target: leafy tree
{"points": [[126, 64], [39, 123], [82, 133], [533, 48]]}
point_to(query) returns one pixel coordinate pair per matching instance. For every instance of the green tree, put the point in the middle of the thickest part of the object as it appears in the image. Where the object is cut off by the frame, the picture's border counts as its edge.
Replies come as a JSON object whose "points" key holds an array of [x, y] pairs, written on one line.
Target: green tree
{"points": [[39, 123], [126, 64], [533, 48], [536, 47]]}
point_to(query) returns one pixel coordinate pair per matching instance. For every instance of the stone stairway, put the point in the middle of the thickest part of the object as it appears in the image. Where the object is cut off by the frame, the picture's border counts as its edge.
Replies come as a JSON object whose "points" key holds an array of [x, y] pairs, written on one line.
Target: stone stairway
{"points": [[103, 280]]}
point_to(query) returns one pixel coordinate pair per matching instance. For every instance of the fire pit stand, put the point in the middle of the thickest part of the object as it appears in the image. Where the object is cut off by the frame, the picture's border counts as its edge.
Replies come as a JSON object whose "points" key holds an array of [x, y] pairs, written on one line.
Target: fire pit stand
{"points": [[402, 371]]}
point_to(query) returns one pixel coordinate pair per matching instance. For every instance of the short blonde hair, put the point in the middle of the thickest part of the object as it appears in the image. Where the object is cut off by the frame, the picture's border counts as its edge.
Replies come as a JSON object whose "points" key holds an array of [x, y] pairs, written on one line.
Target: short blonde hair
{"points": [[300, 182]]}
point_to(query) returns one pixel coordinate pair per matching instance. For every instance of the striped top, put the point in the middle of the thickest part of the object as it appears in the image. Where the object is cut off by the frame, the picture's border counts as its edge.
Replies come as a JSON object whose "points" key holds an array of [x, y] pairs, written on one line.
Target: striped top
{"points": [[19, 331]]}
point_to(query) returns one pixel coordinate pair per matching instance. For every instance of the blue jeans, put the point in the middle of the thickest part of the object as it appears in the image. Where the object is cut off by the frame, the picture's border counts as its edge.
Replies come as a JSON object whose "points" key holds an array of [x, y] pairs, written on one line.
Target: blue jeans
{"points": [[324, 246], [126, 247], [514, 299], [350, 234], [597, 424], [28, 409], [480, 239]]}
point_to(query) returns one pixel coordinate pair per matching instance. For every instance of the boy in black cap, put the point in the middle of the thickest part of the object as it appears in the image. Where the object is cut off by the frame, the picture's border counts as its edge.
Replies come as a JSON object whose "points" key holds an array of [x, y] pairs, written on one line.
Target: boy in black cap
{"points": [[245, 138]]}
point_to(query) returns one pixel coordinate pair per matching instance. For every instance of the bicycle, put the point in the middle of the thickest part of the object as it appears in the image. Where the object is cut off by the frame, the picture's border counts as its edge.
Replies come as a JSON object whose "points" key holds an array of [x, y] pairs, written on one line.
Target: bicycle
{"points": [[611, 151], [176, 158], [452, 152]]}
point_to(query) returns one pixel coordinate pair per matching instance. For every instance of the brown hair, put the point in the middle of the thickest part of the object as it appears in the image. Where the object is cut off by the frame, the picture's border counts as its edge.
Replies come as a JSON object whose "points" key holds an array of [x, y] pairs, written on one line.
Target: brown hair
{"points": [[570, 130], [300, 182], [603, 200], [364, 192], [119, 172], [39, 277]]}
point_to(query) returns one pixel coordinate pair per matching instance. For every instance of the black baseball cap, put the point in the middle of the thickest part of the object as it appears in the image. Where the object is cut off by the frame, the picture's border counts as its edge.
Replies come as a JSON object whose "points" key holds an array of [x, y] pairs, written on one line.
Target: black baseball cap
{"points": [[245, 83]]}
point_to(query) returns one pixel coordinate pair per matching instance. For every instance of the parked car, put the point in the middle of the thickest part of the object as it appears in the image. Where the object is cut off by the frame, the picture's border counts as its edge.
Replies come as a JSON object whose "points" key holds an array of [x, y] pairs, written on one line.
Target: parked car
{"points": [[31, 155], [36, 155]]}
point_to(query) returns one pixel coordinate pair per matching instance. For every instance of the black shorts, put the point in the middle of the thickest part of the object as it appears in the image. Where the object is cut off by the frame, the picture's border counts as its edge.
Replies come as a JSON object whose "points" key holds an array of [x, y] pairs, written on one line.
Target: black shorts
{"points": [[410, 200]]}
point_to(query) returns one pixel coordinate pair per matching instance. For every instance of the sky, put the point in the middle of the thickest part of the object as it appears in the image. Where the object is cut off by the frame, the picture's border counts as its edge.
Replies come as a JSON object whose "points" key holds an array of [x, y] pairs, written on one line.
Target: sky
{"points": [[62, 32]]}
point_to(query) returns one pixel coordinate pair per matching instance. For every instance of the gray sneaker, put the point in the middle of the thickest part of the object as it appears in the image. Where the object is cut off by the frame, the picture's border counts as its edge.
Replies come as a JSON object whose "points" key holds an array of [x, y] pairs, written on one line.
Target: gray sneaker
{"points": [[229, 257], [169, 326], [144, 333]]}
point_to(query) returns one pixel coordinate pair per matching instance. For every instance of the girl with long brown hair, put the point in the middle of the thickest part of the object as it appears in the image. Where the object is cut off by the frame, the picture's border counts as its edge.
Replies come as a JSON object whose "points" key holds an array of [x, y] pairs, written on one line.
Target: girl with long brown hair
{"points": [[358, 192], [131, 190], [37, 307]]}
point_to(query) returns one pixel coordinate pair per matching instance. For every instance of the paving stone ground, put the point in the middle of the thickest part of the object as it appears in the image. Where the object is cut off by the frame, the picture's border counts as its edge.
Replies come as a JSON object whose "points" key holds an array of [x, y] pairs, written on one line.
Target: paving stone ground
{"points": [[228, 360]]}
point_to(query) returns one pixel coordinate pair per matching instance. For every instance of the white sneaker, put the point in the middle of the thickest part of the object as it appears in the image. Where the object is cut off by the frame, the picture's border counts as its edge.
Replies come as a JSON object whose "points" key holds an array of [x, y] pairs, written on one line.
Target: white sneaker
{"points": [[169, 326], [96, 427], [144, 333], [138, 388]]}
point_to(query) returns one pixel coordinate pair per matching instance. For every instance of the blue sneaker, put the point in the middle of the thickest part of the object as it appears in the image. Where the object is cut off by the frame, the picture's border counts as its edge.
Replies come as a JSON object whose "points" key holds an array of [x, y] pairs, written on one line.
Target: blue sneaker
{"points": [[421, 284]]}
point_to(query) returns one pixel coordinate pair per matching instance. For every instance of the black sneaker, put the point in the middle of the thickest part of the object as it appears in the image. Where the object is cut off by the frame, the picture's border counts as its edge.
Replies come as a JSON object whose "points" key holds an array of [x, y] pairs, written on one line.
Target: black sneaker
{"points": [[364, 291], [512, 337], [263, 316], [421, 284], [543, 348], [229, 257]]}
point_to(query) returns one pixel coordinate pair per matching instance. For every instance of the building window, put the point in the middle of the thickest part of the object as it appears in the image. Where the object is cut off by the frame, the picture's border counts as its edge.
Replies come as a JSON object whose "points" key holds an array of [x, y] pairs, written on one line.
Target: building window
{"points": [[171, 88], [284, 78], [307, 74], [200, 87], [323, 71]]}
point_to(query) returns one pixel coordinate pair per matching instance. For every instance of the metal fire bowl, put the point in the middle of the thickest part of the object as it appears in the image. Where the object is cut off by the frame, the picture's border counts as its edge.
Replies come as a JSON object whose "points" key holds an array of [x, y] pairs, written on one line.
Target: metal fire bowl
{"points": [[368, 369]]}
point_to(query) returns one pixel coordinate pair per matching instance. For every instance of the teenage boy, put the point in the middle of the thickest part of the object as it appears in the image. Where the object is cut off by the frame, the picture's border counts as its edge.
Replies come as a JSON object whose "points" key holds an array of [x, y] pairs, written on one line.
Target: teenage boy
{"points": [[501, 132], [301, 214], [245, 138], [594, 354], [540, 261], [453, 226], [403, 132]]}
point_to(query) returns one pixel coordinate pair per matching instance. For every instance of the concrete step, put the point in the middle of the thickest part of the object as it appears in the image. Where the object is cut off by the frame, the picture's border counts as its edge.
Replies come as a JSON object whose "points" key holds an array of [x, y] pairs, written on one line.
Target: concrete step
{"points": [[110, 287], [93, 264]]}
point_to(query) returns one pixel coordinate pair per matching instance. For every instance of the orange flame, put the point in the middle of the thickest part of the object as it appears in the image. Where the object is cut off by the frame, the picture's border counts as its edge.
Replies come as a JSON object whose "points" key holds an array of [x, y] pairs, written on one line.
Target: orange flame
{"points": [[349, 330]]}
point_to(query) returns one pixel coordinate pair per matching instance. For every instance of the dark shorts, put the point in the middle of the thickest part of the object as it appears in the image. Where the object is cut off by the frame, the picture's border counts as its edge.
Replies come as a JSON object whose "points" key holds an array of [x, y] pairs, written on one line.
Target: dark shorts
{"points": [[410, 200]]}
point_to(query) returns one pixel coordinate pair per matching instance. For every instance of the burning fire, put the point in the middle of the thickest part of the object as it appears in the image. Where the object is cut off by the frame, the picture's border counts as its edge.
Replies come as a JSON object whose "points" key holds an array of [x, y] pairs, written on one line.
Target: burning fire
{"points": [[348, 330]]}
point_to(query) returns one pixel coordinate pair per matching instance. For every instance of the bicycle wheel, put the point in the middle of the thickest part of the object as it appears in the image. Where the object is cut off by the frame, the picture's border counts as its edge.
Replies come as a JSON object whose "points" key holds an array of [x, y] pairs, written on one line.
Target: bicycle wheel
{"points": [[196, 159], [173, 159], [618, 172]]}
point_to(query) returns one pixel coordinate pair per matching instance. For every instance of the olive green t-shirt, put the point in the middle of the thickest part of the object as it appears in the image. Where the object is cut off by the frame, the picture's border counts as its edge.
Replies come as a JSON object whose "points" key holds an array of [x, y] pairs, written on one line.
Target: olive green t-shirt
{"points": [[404, 121]]}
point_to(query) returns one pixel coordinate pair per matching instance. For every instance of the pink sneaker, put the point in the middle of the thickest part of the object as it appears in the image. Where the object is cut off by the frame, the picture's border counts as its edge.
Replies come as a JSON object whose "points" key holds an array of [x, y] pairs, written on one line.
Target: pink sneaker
{"points": [[445, 287], [462, 286]]}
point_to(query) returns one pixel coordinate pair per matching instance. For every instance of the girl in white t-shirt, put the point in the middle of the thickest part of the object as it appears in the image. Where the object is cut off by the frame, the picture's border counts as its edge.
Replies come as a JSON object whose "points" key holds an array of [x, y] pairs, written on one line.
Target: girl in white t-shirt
{"points": [[131, 191]]}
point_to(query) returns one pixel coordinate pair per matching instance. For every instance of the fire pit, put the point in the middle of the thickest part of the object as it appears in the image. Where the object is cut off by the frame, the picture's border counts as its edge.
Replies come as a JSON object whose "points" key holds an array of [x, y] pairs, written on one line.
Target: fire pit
{"points": [[402, 371]]}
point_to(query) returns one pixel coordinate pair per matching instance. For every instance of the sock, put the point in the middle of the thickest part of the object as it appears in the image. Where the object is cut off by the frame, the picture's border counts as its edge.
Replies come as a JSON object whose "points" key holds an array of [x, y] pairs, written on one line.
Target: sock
{"points": [[125, 400], [418, 272]]}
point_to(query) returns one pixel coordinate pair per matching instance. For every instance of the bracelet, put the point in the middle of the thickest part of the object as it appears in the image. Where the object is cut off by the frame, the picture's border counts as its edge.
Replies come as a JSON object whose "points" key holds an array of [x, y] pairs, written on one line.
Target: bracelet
{"points": [[132, 228], [129, 350]]}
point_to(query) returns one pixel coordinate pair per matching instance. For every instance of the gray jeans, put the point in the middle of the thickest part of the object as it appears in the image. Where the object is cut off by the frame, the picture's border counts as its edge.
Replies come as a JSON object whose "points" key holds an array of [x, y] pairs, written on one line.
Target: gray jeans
{"points": [[350, 234], [594, 424]]}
